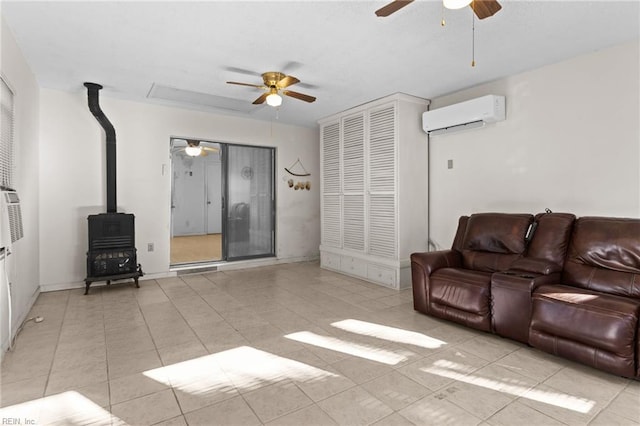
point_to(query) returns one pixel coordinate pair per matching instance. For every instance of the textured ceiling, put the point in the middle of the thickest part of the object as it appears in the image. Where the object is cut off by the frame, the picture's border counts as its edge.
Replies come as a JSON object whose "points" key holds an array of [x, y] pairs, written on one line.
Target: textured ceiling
{"points": [[343, 54]]}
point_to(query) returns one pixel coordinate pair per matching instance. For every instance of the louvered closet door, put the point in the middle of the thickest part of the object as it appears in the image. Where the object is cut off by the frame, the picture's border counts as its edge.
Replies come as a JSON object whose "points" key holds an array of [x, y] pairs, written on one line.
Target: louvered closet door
{"points": [[331, 206], [353, 182], [382, 183]]}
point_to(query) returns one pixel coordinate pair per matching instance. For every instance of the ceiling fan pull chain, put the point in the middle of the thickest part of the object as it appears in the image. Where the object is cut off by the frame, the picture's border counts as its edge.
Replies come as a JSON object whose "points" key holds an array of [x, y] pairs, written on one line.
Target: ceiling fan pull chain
{"points": [[442, 21], [473, 39]]}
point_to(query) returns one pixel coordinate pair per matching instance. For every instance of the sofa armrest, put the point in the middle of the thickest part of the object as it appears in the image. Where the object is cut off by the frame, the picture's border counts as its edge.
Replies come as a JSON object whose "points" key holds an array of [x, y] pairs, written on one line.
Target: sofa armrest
{"points": [[422, 266], [535, 266], [511, 301]]}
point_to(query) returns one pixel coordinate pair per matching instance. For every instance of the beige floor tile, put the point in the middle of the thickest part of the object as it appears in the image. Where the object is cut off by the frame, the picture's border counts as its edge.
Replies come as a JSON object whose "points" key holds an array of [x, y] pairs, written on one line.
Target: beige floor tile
{"points": [[197, 382], [278, 345], [611, 418], [181, 336], [626, 404], [219, 338], [481, 401], [148, 409], [531, 363], [69, 357], [633, 387], [232, 412], [308, 416], [25, 364], [133, 386], [176, 421], [396, 390], [66, 408], [84, 375], [559, 405], [516, 412], [394, 419], [355, 407], [97, 393], [594, 385], [124, 365], [129, 340], [192, 400], [183, 352], [489, 347], [324, 384], [432, 410], [24, 390], [361, 370], [260, 333], [219, 334], [276, 400]]}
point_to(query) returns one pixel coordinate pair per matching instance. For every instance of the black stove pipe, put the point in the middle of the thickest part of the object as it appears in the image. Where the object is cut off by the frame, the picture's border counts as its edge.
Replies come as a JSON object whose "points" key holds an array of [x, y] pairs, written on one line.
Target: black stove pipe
{"points": [[110, 132]]}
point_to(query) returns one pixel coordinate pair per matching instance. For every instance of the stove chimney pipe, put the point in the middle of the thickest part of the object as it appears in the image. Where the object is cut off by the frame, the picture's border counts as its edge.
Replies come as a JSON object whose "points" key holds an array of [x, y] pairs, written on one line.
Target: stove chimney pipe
{"points": [[94, 107]]}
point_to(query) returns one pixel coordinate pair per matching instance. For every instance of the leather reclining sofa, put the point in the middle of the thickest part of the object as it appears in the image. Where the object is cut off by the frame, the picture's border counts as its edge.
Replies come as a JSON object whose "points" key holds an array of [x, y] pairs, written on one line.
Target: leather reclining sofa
{"points": [[567, 286]]}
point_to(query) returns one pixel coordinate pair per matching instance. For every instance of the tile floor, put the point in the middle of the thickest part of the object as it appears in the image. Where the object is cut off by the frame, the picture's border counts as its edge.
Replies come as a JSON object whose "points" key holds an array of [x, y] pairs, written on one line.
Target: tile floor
{"points": [[284, 345]]}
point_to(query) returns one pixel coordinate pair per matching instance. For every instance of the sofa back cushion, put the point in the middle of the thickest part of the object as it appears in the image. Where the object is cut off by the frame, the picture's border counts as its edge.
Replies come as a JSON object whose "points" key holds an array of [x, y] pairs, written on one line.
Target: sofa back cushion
{"points": [[604, 255], [458, 241], [492, 241], [551, 237]]}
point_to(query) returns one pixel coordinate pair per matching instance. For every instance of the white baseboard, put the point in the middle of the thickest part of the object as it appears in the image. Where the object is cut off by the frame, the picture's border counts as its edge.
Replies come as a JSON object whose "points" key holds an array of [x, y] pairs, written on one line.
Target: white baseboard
{"points": [[222, 266]]}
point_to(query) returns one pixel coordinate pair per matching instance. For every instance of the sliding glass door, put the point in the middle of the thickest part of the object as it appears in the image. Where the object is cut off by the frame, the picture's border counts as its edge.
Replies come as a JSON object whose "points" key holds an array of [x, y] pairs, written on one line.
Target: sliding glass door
{"points": [[249, 207], [222, 202]]}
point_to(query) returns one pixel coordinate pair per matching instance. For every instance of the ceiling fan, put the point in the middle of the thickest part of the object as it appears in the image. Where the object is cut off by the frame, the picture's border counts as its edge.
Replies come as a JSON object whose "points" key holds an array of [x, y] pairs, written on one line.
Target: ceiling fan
{"points": [[193, 148], [482, 8], [274, 84]]}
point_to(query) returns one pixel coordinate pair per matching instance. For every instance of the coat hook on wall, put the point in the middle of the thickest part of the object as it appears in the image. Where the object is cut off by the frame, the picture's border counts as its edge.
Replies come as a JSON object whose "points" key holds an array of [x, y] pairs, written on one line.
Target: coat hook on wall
{"points": [[304, 171]]}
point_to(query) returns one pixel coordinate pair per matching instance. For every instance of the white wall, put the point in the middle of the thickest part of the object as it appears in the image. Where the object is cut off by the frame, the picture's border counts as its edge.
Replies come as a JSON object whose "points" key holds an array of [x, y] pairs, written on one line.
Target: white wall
{"points": [[571, 142], [24, 261], [72, 183]]}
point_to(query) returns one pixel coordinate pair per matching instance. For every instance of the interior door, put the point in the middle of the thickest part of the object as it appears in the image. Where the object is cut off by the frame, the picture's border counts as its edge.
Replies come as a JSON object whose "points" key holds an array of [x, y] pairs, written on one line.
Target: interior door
{"points": [[250, 200], [188, 202]]}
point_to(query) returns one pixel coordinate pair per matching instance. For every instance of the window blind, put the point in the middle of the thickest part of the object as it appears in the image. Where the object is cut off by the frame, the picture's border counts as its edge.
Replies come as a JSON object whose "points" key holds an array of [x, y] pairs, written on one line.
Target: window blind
{"points": [[6, 136]]}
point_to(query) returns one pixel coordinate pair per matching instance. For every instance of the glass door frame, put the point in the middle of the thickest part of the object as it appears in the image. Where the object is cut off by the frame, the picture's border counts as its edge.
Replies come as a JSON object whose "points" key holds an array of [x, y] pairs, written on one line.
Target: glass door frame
{"points": [[225, 203]]}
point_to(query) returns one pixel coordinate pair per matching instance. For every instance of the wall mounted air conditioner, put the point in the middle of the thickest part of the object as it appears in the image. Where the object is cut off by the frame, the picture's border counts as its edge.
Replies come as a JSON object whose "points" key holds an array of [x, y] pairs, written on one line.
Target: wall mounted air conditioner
{"points": [[10, 219], [465, 115]]}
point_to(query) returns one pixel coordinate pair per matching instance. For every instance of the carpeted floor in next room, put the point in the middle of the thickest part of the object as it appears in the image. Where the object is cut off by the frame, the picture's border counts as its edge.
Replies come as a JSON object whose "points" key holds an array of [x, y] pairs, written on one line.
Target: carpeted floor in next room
{"points": [[285, 345]]}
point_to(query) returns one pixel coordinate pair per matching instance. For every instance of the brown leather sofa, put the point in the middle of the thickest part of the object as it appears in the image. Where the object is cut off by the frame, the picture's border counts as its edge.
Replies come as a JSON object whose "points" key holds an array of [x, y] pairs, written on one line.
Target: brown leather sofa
{"points": [[567, 286]]}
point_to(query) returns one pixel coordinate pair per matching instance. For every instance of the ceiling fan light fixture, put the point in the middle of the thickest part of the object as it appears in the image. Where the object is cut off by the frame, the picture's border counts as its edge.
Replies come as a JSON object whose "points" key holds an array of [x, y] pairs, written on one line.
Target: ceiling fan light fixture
{"points": [[456, 4], [274, 100], [193, 151]]}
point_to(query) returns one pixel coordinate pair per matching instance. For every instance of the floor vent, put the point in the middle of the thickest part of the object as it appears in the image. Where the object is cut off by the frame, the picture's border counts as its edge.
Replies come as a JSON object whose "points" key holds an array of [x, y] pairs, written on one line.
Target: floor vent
{"points": [[196, 270]]}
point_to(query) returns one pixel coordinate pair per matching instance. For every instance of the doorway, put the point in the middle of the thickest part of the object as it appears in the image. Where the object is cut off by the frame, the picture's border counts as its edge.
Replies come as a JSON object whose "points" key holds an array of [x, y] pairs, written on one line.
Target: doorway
{"points": [[222, 202]]}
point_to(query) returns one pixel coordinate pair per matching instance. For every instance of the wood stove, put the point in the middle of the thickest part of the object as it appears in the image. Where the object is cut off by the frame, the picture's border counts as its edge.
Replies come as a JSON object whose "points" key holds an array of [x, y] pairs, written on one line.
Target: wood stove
{"points": [[112, 253]]}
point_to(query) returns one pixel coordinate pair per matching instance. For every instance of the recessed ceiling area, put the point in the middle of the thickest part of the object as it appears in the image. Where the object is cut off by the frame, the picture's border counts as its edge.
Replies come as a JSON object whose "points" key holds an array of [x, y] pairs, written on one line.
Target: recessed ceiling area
{"points": [[344, 54]]}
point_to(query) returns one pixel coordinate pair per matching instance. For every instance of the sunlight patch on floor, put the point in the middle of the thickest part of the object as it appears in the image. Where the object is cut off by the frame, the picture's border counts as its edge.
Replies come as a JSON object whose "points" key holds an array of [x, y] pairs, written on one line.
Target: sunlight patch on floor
{"points": [[239, 368], [67, 408], [391, 334], [362, 351], [460, 373]]}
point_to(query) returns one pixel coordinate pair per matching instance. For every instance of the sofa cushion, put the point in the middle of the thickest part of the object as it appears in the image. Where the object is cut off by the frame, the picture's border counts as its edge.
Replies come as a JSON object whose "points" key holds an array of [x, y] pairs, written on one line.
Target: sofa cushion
{"points": [[551, 237], [604, 255], [461, 296], [462, 289], [492, 241], [597, 320]]}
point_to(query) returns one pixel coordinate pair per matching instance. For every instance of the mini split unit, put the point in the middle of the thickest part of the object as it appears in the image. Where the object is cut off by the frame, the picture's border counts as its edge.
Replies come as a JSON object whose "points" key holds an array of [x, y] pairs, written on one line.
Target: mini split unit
{"points": [[465, 115]]}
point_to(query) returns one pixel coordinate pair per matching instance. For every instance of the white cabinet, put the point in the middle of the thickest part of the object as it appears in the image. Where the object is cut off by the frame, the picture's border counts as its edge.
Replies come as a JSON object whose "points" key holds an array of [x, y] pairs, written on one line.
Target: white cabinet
{"points": [[374, 189]]}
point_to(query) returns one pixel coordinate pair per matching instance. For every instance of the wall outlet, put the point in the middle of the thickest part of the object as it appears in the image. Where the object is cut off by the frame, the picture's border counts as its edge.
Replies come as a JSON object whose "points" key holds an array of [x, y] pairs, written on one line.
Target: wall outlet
{"points": [[149, 246]]}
